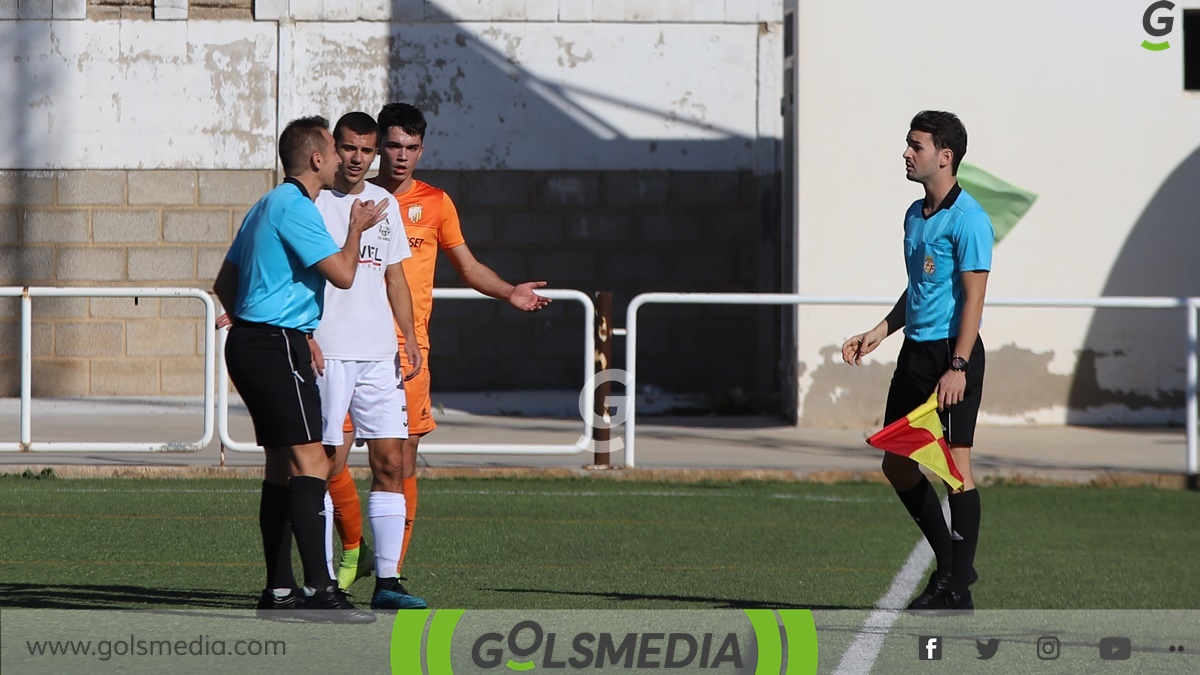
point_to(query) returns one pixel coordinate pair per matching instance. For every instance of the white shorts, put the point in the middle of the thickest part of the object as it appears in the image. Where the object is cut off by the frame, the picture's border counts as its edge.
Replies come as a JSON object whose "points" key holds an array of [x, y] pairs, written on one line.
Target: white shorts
{"points": [[371, 391]]}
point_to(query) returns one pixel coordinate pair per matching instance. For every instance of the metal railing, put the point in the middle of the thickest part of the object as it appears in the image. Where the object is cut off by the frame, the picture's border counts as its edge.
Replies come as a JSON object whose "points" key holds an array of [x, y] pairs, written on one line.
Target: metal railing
{"points": [[27, 444], [216, 382], [589, 348], [1191, 304]]}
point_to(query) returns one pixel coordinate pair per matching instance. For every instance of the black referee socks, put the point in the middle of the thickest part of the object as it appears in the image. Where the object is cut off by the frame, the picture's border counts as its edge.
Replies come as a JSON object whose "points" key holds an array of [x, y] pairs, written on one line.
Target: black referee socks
{"points": [[276, 532], [923, 505], [306, 496], [964, 523]]}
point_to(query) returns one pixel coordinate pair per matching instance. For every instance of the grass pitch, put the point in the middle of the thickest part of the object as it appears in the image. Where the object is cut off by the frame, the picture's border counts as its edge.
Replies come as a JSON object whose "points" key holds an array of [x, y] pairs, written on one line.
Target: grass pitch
{"points": [[592, 543]]}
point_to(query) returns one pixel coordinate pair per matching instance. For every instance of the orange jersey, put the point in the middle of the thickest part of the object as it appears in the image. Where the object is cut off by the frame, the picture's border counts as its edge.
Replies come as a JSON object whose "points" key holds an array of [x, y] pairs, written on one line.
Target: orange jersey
{"points": [[431, 223]]}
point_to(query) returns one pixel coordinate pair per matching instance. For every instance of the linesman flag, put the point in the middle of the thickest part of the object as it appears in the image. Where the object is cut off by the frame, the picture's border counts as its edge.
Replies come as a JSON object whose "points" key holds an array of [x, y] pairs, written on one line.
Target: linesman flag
{"points": [[919, 437], [1005, 203]]}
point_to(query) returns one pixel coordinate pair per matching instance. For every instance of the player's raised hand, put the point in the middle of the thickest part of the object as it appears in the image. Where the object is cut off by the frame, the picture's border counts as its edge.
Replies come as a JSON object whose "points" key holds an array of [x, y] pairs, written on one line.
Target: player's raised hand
{"points": [[523, 298], [415, 360], [365, 215], [860, 345]]}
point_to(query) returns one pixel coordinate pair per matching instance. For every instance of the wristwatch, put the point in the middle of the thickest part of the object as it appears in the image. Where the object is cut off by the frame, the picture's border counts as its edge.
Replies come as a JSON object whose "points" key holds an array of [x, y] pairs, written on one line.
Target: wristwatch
{"points": [[958, 364]]}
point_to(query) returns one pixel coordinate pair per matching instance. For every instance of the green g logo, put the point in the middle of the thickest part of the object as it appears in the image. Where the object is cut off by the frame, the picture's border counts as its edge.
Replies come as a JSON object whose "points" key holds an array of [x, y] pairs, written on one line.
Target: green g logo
{"points": [[1158, 25]]}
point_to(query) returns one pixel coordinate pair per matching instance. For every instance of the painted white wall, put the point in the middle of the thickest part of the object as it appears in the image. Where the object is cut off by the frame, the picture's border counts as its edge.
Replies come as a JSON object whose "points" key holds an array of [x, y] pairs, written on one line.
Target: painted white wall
{"points": [[138, 94], [549, 96], [1058, 98], [528, 95]]}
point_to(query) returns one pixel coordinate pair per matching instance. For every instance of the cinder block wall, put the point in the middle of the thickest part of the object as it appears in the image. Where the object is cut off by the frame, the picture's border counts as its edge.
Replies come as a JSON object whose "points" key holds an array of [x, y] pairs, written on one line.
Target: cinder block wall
{"points": [[625, 232], [115, 228]]}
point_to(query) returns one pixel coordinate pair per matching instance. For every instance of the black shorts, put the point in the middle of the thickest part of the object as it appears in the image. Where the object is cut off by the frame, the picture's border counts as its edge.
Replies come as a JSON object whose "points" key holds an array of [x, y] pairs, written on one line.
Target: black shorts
{"points": [[918, 369], [272, 370]]}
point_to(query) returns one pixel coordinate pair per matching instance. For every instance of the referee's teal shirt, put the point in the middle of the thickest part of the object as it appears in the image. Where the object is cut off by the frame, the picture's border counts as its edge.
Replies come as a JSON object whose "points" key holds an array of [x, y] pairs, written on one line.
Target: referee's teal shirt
{"points": [[281, 239], [957, 238]]}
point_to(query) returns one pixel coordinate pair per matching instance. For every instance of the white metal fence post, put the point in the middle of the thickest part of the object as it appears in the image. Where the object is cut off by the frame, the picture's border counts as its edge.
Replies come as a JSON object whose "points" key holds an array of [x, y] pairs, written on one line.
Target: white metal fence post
{"points": [[27, 444], [26, 370]]}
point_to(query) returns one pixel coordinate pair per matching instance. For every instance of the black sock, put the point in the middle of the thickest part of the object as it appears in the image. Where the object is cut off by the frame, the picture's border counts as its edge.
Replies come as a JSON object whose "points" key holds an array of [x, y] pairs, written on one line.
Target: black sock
{"points": [[964, 519], [276, 532], [306, 495], [922, 504]]}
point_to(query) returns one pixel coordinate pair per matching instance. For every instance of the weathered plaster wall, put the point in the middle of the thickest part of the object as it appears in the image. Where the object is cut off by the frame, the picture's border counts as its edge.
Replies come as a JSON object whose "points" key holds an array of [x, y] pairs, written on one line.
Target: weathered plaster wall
{"points": [[139, 94], [544, 94], [1059, 99]]}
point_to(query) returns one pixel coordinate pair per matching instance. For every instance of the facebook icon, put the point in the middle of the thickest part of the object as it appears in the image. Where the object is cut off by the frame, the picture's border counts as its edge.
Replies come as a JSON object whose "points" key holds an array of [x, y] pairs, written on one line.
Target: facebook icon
{"points": [[929, 648]]}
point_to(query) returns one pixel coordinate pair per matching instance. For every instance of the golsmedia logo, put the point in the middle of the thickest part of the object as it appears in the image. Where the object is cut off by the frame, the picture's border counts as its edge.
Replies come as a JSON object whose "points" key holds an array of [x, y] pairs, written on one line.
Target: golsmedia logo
{"points": [[503, 641], [528, 640], [616, 411], [1158, 22]]}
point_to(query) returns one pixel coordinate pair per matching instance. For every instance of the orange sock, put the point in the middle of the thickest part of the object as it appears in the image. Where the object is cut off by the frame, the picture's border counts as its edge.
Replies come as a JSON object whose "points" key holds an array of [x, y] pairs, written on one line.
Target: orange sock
{"points": [[347, 512], [409, 485]]}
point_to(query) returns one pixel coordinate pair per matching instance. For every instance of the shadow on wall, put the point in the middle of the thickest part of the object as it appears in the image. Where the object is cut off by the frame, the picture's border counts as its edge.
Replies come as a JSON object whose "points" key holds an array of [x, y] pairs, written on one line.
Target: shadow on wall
{"points": [[20, 264], [1132, 369], [444, 68], [1133, 365], [29, 81], [669, 228]]}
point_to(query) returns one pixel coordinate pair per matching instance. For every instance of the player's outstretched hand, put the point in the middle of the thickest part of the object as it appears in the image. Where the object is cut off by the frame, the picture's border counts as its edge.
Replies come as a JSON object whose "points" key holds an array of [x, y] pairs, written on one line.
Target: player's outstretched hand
{"points": [[365, 215], [523, 298], [860, 345], [415, 360], [318, 358]]}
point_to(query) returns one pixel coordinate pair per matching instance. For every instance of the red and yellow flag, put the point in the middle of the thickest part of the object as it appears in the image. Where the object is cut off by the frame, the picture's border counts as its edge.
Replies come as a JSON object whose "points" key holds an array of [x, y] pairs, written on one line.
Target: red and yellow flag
{"points": [[919, 437]]}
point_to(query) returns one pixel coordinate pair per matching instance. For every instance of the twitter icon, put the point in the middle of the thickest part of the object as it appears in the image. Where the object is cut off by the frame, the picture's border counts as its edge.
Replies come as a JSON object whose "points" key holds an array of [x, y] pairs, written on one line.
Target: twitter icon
{"points": [[987, 648]]}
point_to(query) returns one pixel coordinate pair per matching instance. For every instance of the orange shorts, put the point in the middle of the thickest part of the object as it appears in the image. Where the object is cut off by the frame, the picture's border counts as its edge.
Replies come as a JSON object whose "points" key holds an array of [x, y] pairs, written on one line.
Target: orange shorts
{"points": [[419, 401]]}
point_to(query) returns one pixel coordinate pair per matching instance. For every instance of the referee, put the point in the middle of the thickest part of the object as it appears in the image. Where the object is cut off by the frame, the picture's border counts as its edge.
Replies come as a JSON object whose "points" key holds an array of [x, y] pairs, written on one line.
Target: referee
{"points": [[272, 283], [948, 254]]}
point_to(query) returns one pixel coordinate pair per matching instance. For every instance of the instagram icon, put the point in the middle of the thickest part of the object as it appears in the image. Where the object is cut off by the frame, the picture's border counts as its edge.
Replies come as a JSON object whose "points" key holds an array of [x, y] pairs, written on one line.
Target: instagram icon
{"points": [[1047, 648]]}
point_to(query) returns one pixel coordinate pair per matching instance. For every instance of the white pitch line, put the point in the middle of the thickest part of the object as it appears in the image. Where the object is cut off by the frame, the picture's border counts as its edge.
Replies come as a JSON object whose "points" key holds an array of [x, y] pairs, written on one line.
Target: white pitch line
{"points": [[488, 493], [860, 656]]}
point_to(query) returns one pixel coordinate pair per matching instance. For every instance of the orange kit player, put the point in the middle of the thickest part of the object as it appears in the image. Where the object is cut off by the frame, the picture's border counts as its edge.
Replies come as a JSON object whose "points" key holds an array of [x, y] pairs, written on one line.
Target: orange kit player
{"points": [[431, 222]]}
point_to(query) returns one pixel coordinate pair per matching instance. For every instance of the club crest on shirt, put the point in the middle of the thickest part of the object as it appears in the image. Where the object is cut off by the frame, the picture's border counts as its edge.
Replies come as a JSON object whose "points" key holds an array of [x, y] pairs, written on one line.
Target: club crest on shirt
{"points": [[414, 213], [385, 229], [929, 266]]}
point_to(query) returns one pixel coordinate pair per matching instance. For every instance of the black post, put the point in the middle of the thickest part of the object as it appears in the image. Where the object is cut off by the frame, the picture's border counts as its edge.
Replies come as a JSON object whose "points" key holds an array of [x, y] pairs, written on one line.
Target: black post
{"points": [[601, 435]]}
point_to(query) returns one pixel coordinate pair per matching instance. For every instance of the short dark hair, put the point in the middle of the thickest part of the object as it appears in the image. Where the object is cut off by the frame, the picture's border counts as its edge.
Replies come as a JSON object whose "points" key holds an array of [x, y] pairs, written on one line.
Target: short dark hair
{"points": [[947, 132], [299, 140], [358, 122], [403, 115]]}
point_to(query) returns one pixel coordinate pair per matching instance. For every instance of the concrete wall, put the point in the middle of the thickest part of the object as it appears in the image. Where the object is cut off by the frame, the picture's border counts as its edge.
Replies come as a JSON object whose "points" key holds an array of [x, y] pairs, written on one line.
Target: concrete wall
{"points": [[1059, 99], [598, 145], [115, 228], [139, 94]]}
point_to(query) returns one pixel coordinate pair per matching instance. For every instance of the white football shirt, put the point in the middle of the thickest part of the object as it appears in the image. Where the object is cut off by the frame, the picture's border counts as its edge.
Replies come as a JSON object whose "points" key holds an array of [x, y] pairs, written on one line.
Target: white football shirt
{"points": [[358, 324]]}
